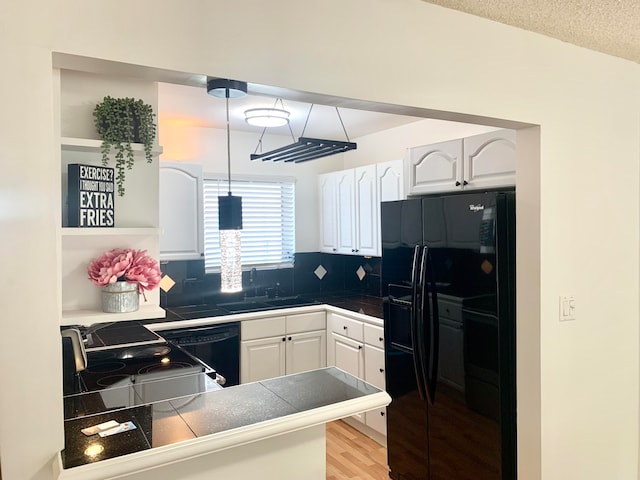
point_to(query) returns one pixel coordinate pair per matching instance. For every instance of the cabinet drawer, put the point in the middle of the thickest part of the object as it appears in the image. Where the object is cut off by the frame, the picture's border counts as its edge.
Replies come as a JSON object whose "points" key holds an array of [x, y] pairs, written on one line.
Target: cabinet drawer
{"points": [[346, 326], [264, 327], [374, 366], [306, 322], [449, 309], [374, 335]]}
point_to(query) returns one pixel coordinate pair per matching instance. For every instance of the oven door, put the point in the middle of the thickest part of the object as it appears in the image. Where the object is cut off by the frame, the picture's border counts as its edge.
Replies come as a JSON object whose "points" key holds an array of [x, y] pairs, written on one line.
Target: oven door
{"points": [[149, 390], [218, 346]]}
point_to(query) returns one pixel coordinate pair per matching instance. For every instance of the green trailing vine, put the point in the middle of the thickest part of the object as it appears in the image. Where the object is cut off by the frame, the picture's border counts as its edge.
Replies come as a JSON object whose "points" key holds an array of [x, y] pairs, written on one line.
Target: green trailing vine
{"points": [[121, 122]]}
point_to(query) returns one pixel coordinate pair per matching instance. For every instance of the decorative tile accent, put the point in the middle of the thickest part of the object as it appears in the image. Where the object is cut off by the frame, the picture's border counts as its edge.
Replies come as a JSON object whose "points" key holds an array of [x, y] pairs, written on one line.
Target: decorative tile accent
{"points": [[166, 283], [320, 272], [361, 273]]}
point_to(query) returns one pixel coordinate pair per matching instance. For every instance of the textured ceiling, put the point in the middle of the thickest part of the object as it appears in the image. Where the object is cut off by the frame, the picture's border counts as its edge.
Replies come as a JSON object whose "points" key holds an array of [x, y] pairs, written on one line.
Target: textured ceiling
{"points": [[607, 26]]}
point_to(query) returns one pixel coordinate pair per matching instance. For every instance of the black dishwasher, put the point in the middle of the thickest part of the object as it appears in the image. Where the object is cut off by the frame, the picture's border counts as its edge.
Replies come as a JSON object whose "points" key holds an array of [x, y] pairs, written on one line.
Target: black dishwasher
{"points": [[216, 345]]}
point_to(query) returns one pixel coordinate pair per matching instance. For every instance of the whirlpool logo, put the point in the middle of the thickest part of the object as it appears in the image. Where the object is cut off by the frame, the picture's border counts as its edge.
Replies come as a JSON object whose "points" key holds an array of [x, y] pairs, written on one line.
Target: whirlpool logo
{"points": [[476, 208]]}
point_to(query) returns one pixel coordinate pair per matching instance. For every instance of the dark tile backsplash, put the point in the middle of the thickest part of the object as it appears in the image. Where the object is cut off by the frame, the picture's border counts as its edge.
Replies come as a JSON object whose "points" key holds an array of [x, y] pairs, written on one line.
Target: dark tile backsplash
{"points": [[194, 286]]}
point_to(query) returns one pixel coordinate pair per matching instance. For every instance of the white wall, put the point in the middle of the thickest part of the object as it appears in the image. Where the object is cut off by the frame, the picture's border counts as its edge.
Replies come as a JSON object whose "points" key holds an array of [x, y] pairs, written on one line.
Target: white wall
{"points": [[581, 414]]}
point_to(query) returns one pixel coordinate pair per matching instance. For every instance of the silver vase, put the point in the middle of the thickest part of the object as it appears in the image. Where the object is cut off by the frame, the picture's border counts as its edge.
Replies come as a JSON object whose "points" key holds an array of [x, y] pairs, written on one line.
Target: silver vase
{"points": [[120, 297]]}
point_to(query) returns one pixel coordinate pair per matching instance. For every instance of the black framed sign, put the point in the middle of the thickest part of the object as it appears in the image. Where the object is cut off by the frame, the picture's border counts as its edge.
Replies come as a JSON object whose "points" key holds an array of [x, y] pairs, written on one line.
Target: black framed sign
{"points": [[90, 196]]}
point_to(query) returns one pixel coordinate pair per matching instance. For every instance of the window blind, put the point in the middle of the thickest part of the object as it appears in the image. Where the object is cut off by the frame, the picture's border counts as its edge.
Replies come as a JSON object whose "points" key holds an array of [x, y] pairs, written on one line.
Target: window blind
{"points": [[268, 222]]}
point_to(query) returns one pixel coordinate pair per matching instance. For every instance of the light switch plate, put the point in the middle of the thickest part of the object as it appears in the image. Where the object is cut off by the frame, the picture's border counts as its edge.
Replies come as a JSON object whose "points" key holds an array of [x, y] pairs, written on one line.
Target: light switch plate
{"points": [[567, 310]]}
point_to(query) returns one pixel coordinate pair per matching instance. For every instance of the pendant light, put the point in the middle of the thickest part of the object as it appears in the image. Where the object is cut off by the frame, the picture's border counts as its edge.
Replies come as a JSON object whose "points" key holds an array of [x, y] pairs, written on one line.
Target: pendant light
{"points": [[229, 207]]}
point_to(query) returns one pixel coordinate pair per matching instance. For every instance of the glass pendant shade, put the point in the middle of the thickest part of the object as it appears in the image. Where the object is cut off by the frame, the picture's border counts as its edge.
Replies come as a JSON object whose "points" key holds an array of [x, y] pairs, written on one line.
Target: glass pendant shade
{"points": [[230, 226], [230, 261]]}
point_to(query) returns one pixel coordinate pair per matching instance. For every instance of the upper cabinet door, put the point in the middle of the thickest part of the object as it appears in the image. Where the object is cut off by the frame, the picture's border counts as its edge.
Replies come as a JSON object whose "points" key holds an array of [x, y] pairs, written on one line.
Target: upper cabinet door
{"points": [[490, 160], [181, 215], [390, 181], [366, 212], [345, 185], [435, 168], [328, 212]]}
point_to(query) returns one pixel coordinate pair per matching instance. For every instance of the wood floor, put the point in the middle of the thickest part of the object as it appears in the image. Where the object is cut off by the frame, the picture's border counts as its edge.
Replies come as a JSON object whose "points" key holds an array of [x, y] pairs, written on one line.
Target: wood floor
{"points": [[354, 456]]}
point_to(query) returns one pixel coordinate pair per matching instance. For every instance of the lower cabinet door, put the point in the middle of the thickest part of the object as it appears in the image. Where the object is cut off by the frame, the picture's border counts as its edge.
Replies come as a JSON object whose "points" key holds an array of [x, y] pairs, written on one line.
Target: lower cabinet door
{"points": [[349, 356], [374, 366], [262, 359], [377, 419], [306, 351]]}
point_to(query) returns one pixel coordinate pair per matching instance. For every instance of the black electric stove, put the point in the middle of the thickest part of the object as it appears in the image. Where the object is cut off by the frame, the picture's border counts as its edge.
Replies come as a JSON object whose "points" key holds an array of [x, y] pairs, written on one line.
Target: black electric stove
{"points": [[118, 367], [125, 377]]}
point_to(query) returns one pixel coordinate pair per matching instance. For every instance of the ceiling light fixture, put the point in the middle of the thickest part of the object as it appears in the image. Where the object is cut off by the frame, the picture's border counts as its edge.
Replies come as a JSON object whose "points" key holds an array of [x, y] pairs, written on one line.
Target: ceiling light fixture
{"points": [[223, 88], [229, 207], [266, 117]]}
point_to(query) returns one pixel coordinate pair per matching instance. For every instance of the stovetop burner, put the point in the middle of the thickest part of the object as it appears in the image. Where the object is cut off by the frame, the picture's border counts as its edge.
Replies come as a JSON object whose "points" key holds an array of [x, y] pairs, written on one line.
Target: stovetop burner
{"points": [[109, 380], [158, 367], [107, 367]]}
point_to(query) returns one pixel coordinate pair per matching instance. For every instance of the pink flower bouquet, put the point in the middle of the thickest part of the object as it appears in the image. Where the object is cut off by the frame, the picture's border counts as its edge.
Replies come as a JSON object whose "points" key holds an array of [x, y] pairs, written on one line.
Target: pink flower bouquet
{"points": [[125, 264]]}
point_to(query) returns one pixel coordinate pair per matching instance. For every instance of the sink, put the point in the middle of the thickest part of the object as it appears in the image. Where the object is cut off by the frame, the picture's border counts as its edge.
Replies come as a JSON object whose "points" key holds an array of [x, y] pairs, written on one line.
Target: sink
{"points": [[290, 302], [266, 304], [241, 307]]}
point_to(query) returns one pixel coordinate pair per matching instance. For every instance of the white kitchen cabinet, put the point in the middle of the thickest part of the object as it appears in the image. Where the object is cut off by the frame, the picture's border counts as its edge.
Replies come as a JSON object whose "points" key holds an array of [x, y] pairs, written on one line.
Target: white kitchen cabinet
{"points": [[390, 181], [262, 358], [306, 351], [282, 345], [375, 375], [328, 212], [357, 347], [366, 212], [490, 160], [346, 211], [349, 212], [346, 326], [434, 168], [471, 163], [181, 214], [348, 355]]}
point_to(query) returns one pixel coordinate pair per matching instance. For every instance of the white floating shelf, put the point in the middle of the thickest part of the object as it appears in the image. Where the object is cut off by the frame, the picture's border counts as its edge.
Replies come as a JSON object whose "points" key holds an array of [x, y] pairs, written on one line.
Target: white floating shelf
{"points": [[89, 317], [92, 145], [101, 232]]}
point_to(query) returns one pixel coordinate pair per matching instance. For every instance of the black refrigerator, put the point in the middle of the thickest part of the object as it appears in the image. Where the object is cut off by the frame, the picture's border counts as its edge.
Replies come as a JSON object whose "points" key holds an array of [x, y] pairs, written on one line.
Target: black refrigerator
{"points": [[448, 279]]}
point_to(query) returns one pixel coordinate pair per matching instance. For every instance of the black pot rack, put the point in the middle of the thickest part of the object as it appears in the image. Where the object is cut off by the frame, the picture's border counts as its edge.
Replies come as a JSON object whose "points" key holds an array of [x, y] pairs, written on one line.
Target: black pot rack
{"points": [[306, 148]]}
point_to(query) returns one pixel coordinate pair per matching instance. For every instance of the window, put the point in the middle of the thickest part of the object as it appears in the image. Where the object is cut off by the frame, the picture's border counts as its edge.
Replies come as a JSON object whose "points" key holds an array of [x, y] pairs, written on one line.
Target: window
{"points": [[268, 225]]}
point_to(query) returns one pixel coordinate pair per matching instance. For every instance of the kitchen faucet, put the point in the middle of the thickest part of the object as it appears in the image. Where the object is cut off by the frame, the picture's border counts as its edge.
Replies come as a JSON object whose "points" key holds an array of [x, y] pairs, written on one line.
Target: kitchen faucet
{"points": [[252, 278]]}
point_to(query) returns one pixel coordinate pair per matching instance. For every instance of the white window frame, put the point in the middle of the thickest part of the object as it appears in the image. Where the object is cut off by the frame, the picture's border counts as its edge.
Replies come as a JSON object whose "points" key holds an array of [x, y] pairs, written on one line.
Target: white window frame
{"points": [[215, 185]]}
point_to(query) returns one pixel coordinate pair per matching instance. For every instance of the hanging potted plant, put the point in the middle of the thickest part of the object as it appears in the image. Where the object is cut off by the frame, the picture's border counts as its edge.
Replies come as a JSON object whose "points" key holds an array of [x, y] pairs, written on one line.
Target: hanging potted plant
{"points": [[119, 123]]}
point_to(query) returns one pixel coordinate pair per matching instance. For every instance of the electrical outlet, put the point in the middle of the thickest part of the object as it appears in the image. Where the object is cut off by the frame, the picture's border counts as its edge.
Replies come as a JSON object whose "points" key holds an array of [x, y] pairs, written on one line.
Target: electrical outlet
{"points": [[567, 309]]}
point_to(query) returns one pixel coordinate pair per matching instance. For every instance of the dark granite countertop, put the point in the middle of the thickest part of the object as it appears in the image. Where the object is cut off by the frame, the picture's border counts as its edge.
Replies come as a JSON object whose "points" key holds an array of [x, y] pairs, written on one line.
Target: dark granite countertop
{"points": [[364, 304], [187, 417], [367, 305]]}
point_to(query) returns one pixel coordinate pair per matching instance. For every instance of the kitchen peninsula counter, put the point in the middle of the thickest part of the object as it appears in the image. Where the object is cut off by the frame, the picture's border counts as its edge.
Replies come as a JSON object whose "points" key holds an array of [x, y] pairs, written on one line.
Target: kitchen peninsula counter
{"points": [[270, 429]]}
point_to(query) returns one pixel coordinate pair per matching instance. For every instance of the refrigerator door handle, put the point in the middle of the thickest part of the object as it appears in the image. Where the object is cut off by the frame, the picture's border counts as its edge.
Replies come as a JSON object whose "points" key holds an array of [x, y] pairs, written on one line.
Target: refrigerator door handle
{"points": [[434, 334], [424, 325], [416, 320]]}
